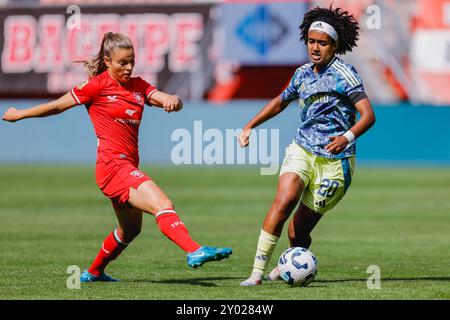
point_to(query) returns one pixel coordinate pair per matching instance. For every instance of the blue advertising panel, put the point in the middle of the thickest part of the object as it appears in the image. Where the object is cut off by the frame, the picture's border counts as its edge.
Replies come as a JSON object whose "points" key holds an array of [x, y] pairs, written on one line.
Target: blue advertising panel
{"points": [[70, 137], [263, 34]]}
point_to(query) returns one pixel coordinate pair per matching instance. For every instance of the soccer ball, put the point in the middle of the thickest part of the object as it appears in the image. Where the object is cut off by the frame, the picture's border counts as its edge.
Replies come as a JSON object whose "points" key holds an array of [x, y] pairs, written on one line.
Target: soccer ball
{"points": [[297, 266]]}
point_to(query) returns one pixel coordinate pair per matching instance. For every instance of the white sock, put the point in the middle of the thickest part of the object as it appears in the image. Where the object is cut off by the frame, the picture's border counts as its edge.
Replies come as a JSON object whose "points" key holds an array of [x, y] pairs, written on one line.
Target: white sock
{"points": [[266, 245]]}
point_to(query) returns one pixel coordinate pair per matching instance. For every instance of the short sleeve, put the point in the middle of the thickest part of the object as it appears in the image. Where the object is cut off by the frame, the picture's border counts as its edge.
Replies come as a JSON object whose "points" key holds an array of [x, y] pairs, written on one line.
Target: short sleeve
{"points": [[350, 83], [356, 91], [146, 88], [291, 92], [356, 94], [86, 92]]}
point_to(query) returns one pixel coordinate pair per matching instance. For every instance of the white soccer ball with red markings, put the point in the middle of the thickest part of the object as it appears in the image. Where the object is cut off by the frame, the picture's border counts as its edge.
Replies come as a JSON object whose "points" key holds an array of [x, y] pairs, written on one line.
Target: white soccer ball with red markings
{"points": [[297, 266]]}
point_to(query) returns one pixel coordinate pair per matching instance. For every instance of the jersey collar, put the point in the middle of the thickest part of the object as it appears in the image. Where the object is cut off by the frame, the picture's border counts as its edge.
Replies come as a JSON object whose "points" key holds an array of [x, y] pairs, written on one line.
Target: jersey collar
{"points": [[323, 69], [118, 85]]}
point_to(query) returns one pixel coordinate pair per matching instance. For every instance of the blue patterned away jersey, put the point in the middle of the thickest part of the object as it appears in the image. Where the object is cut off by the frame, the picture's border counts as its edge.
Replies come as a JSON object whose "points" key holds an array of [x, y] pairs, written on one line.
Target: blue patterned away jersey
{"points": [[326, 101]]}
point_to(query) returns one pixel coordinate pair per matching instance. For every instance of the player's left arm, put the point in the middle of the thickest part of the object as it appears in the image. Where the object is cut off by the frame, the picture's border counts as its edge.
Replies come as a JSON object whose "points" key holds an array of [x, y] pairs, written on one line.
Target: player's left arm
{"points": [[169, 103], [366, 120]]}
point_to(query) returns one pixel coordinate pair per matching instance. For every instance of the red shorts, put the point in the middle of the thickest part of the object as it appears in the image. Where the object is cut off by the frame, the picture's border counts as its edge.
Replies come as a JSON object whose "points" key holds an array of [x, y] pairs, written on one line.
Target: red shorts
{"points": [[115, 177]]}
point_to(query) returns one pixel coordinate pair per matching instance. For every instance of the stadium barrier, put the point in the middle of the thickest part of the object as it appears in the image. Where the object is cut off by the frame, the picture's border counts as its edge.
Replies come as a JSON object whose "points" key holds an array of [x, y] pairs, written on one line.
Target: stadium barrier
{"points": [[402, 135]]}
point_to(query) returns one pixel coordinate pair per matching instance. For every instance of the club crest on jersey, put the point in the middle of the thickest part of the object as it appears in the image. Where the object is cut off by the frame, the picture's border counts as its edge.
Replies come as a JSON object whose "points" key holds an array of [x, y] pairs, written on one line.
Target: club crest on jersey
{"points": [[136, 174], [111, 98], [323, 84], [138, 97]]}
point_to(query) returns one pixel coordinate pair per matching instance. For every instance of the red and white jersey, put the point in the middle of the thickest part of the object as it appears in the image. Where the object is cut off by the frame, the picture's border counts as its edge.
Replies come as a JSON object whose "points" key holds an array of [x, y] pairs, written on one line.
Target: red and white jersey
{"points": [[115, 112]]}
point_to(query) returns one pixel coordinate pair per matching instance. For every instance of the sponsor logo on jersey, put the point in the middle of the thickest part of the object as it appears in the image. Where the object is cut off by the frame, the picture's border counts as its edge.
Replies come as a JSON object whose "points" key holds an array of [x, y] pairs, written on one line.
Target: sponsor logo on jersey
{"points": [[111, 98], [322, 98], [130, 112], [128, 121]]}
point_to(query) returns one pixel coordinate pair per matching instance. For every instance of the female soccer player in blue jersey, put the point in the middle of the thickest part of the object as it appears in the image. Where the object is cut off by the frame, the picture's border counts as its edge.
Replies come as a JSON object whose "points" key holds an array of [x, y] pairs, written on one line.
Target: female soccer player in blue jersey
{"points": [[319, 163]]}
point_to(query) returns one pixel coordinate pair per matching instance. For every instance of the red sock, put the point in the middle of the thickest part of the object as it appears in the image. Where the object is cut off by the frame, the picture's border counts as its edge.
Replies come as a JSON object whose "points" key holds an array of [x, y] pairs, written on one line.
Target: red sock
{"points": [[170, 224], [112, 246]]}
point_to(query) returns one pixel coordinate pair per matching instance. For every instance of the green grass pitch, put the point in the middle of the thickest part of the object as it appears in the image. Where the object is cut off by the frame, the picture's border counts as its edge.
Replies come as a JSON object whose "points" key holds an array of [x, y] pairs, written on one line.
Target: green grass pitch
{"points": [[54, 216]]}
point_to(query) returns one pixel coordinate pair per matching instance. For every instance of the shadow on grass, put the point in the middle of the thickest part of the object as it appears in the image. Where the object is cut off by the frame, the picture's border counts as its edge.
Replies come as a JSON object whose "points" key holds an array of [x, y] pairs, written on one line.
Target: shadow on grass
{"points": [[385, 279], [204, 281], [210, 281]]}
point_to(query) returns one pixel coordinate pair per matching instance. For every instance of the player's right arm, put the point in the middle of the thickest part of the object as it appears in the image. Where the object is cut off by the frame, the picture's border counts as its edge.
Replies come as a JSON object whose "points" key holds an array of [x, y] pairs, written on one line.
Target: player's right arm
{"points": [[43, 110], [270, 110]]}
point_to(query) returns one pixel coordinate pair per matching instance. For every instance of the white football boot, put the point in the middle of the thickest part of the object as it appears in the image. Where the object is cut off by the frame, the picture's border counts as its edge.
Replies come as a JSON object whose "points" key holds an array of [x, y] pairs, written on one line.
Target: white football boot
{"points": [[274, 275], [254, 280]]}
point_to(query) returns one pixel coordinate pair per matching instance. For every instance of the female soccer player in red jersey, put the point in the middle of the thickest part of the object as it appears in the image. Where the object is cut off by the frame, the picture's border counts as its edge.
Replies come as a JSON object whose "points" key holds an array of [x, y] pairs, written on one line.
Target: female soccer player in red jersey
{"points": [[115, 102]]}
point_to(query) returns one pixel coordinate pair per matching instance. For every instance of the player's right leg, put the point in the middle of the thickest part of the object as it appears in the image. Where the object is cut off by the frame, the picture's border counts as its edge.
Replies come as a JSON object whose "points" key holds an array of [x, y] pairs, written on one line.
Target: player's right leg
{"points": [[299, 232], [290, 187], [295, 174], [130, 223], [150, 198]]}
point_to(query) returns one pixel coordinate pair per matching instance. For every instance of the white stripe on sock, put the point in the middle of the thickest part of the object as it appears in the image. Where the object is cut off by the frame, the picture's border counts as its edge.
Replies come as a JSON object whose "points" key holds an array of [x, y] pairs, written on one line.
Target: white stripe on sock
{"points": [[116, 236], [163, 212]]}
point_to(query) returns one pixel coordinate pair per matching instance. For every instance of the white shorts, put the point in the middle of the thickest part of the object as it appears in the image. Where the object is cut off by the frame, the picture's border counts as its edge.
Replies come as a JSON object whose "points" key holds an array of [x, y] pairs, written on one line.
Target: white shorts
{"points": [[326, 180]]}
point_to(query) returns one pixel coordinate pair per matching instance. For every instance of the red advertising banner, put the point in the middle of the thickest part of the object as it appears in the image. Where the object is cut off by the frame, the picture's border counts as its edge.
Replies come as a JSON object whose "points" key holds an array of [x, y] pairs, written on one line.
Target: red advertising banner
{"points": [[430, 53], [41, 47]]}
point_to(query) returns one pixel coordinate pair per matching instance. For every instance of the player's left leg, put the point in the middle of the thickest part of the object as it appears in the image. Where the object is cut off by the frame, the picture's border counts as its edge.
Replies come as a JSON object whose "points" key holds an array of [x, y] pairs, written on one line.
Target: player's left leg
{"points": [[150, 198], [332, 177], [301, 225], [299, 232], [130, 223]]}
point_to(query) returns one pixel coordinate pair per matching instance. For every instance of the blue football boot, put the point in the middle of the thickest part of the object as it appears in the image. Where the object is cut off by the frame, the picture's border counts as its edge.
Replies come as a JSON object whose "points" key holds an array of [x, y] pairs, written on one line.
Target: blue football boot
{"points": [[204, 254], [89, 277]]}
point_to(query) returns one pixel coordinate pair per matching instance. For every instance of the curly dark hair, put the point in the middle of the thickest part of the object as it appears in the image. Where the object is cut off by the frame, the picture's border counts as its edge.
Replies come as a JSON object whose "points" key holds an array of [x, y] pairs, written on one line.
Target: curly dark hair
{"points": [[344, 23]]}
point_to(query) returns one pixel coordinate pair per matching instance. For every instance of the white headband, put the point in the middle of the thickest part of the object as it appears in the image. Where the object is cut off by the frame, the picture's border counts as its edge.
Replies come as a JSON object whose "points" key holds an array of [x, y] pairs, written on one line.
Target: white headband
{"points": [[324, 27]]}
